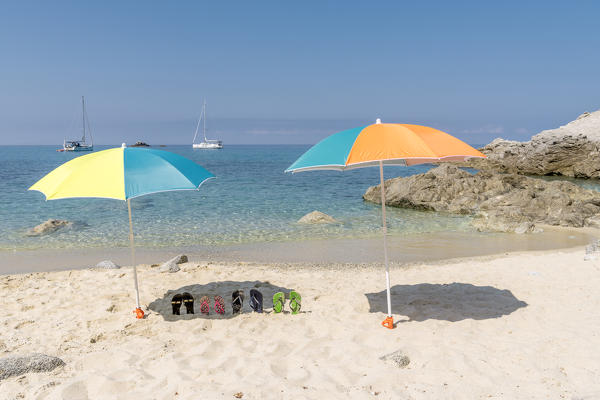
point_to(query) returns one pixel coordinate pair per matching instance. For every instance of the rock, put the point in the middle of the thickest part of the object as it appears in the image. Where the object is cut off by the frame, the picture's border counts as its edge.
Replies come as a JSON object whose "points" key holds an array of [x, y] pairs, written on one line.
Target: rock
{"points": [[180, 259], [317, 217], [19, 365], [397, 358], [107, 264], [572, 150], [500, 202], [96, 338], [49, 226], [592, 251], [486, 223], [171, 265]]}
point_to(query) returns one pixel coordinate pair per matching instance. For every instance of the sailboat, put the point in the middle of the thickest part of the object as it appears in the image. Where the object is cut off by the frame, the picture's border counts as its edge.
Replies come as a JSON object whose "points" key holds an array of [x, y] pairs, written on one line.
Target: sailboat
{"points": [[207, 143], [81, 145]]}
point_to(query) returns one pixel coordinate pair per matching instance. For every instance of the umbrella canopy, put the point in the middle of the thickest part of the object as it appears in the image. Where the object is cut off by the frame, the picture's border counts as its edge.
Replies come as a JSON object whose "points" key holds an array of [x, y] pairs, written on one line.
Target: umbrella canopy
{"points": [[383, 144], [122, 174], [391, 144]]}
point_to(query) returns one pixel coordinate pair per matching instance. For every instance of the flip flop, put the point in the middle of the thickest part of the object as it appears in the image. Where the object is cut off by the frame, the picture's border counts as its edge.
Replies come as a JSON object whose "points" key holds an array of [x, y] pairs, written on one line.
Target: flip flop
{"points": [[219, 305], [278, 302], [237, 299], [256, 300], [204, 305], [295, 302], [176, 304], [188, 302]]}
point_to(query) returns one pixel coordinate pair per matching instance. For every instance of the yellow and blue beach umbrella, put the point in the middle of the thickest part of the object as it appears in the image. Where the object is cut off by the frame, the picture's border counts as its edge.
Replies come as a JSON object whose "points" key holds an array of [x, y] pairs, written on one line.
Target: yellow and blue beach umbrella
{"points": [[384, 144], [122, 174]]}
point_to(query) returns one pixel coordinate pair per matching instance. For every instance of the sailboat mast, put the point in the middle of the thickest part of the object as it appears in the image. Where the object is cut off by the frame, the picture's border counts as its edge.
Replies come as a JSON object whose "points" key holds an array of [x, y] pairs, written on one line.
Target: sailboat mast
{"points": [[197, 127], [83, 117], [204, 120]]}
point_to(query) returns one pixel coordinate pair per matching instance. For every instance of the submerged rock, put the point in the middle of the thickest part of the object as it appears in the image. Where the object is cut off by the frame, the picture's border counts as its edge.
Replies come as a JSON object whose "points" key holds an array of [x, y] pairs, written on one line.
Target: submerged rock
{"points": [[107, 264], [317, 217], [571, 150], [172, 264], [19, 365], [49, 226], [501, 202]]}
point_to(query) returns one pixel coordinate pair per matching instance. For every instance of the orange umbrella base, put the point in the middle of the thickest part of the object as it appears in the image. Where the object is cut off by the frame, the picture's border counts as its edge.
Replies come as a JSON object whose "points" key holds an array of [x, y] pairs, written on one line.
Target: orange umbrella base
{"points": [[388, 323]]}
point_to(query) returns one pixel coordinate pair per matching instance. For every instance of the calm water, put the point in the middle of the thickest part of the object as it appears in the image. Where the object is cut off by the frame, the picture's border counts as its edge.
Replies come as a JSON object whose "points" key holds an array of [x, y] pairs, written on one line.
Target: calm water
{"points": [[251, 200]]}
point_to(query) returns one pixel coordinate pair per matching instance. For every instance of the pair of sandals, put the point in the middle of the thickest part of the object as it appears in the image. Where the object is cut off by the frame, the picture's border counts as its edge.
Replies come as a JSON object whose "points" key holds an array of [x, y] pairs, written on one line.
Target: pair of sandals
{"points": [[219, 305], [184, 298], [279, 302], [256, 301]]}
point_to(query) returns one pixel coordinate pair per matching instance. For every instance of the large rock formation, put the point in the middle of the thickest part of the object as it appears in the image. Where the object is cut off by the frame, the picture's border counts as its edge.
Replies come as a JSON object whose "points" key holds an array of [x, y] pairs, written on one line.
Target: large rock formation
{"points": [[501, 202], [571, 150]]}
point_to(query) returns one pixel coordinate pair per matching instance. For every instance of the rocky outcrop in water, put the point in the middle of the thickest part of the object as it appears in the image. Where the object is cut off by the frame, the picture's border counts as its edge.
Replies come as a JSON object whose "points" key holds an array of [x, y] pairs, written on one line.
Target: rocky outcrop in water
{"points": [[19, 365], [47, 227], [317, 217], [572, 150], [500, 202]]}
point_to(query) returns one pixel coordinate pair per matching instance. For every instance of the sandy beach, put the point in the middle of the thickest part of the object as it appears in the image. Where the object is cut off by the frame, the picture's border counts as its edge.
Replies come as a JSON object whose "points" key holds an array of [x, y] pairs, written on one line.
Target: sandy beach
{"points": [[522, 325]]}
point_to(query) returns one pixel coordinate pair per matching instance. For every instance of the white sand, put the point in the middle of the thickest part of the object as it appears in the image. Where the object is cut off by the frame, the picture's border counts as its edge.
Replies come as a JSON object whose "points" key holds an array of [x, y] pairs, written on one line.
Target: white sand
{"points": [[523, 326]]}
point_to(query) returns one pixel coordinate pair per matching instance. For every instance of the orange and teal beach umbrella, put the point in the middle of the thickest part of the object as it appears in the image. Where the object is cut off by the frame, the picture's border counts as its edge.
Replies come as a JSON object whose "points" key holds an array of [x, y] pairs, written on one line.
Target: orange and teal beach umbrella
{"points": [[384, 144], [122, 174]]}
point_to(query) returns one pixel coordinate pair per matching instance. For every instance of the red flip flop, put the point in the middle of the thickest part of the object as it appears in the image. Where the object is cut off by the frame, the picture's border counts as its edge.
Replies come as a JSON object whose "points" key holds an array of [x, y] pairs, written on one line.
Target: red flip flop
{"points": [[219, 305], [205, 305]]}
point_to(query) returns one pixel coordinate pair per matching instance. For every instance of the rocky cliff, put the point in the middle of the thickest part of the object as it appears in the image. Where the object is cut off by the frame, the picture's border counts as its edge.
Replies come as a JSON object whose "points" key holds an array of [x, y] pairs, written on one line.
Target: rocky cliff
{"points": [[501, 202], [571, 150]]}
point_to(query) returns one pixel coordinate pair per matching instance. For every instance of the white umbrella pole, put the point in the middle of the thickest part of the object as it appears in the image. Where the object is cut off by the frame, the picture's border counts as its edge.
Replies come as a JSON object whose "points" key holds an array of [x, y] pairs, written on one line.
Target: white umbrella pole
{"points": [[138, 310], [389, 322]]}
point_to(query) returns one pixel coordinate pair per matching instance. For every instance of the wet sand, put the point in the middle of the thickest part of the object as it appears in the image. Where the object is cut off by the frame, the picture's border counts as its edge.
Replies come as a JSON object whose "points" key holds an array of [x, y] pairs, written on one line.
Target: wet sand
{"points": [[402, 249]]}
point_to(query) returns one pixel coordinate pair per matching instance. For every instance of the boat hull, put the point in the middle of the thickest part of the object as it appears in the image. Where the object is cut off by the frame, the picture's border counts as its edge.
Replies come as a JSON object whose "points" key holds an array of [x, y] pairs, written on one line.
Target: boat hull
{"points": [[79, 148], [207, 146]]}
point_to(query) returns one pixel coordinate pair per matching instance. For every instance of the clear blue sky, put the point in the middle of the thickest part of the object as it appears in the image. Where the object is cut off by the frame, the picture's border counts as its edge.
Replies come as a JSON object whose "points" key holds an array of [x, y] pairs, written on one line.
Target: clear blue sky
{"points": [[294, 72]]}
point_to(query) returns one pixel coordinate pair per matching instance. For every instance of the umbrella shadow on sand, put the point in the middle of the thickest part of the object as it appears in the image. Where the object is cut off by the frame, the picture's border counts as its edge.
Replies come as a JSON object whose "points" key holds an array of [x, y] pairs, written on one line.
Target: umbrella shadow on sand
{"points": [[450, 302], [224, 289]]}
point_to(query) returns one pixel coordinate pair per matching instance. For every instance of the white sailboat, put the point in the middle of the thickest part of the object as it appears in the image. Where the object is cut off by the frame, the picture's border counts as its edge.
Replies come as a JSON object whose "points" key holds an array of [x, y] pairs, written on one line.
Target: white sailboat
{"points": [[207, 143], [81, 145]]}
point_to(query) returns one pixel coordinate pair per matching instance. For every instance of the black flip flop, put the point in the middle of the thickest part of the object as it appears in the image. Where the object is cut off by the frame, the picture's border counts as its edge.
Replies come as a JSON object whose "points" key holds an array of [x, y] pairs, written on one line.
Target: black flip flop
{"points": [[188, 302], [237, 299], [256, 300], [176, 303]]}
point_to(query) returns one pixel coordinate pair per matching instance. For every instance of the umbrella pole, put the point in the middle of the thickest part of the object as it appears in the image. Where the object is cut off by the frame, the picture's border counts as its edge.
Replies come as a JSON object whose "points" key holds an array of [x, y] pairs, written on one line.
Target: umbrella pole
{"points": [[389, 321], [138, 310]]}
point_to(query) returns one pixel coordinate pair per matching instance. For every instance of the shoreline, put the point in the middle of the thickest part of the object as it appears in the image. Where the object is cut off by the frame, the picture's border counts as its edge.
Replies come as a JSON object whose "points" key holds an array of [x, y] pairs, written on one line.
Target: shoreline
{"points": [[420, 248]]}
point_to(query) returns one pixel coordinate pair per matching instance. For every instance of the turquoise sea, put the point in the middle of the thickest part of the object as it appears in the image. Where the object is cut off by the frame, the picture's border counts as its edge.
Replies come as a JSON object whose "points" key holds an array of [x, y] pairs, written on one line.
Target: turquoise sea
{"points": [[251, 201]]}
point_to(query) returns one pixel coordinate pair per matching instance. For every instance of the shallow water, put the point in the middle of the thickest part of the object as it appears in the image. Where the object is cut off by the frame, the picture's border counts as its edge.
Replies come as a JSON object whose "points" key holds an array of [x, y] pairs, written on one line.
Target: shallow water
{"points": [[252, 200]]}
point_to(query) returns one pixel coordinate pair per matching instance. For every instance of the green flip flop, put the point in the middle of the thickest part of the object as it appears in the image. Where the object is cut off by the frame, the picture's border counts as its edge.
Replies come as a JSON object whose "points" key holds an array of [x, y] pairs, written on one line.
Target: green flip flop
{"points": [[295, 302], [278, 302]]}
